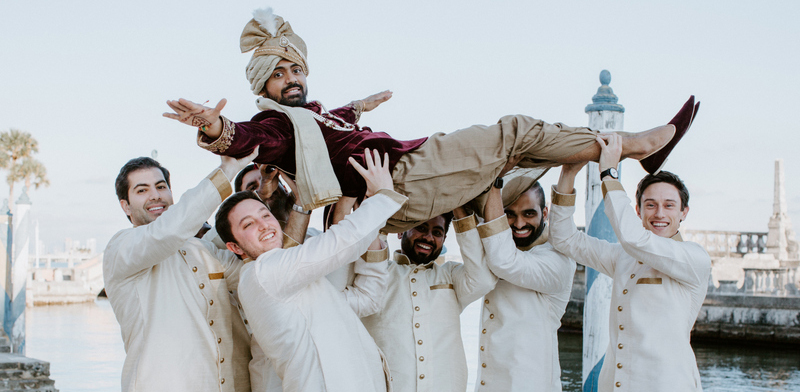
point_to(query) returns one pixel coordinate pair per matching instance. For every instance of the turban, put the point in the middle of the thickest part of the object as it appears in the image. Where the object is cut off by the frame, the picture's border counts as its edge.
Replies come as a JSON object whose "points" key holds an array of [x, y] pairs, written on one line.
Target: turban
{"points": [[273, 41]]}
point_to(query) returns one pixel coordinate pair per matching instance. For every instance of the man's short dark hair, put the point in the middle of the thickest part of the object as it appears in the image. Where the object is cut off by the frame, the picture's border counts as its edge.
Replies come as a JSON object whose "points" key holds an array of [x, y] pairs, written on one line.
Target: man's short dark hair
{"points": [[221, 221], [663, 176], [539, 193], [448, 217], [237, 183], [122, 184]]}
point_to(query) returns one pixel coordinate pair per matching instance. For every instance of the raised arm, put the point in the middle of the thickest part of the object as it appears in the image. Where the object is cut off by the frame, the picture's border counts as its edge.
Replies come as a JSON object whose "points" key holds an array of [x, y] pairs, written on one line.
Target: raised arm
{"points": [[283, 272], [365, 296], [471, 279], [685, 262], [545, 272], [142, 247], [566, 238]]}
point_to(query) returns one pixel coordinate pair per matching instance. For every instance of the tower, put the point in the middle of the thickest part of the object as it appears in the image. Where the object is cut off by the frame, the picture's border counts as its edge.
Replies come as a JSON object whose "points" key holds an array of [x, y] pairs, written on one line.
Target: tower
{"points": [[605, 115]]}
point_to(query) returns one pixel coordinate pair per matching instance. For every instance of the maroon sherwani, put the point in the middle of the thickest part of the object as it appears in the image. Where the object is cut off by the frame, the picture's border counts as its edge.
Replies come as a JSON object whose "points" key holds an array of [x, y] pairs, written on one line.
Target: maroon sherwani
{"points": [[437, 174], [274, 132]]}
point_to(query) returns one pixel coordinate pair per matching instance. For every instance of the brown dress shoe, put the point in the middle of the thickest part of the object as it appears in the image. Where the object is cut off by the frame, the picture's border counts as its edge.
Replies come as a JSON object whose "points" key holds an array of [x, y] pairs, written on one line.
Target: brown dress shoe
{"points": [[682, 121]]}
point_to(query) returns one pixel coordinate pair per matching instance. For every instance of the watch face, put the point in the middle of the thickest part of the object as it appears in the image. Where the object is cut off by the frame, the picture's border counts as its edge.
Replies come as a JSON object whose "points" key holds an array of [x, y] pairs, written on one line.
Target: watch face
{"points": [[613, 173]]}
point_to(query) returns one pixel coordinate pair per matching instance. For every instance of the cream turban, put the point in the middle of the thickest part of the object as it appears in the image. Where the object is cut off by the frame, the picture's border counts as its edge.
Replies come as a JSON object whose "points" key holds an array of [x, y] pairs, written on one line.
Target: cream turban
{"points": [[273, 41]]}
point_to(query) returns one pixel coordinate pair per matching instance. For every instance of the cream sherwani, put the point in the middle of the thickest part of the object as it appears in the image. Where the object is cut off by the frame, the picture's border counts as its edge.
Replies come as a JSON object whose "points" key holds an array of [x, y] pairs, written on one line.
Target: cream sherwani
{"points": [[418, 327], [521, 316], [308, 328], [169, 293], [659, 287]]}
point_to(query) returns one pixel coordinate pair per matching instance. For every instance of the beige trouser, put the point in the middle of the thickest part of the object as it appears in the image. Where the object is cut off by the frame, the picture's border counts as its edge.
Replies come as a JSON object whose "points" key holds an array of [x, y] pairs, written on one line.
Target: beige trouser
{"points": [[450, 170]]}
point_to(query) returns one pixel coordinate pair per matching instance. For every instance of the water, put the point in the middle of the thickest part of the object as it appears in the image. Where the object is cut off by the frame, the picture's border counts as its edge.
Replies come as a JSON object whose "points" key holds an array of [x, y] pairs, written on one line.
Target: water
{"points": [[84, 347]]}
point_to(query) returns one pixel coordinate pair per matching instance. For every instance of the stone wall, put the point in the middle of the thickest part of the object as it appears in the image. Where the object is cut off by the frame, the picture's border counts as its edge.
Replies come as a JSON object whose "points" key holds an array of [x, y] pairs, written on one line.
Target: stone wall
{"points": [[19, 373], [753, 319]]}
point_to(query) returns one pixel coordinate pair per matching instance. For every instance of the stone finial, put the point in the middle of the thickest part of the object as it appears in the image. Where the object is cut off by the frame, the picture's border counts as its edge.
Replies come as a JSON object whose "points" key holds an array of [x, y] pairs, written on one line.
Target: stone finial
{"points": [[23, 198], [781, 238], [605, 99]]}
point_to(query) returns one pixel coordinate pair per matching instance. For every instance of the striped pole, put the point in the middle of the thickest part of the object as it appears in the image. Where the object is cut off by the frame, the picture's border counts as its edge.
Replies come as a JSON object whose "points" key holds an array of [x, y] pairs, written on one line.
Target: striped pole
{"points": [[14, 323], [5, 263], [605, 115]]}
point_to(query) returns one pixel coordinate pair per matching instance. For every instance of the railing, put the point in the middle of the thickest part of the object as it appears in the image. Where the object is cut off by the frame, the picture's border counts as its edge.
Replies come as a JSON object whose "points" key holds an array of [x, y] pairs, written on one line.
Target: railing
{"points": [[770, 281], [727, 243]]}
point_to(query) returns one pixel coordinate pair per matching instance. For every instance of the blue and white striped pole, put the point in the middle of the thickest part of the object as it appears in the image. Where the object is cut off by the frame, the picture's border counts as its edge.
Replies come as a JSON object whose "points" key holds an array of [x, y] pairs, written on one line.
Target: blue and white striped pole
{"points": [[14, 322], [605, 115]]}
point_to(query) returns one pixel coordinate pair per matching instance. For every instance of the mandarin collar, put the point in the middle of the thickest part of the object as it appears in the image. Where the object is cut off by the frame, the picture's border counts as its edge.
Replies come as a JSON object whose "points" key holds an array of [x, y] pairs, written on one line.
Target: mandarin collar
{"points": [[402, 259], [539, 241]]}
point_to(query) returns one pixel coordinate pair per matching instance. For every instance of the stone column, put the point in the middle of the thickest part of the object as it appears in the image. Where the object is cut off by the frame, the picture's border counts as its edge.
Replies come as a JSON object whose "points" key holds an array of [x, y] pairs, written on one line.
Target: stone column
{"points": [[604, 115], [780, 239]]}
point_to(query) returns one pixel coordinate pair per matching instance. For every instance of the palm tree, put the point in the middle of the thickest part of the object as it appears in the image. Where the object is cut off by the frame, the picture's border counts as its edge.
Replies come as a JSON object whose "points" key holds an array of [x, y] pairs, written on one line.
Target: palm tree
{"points": [[30, 171], [16, 156]]}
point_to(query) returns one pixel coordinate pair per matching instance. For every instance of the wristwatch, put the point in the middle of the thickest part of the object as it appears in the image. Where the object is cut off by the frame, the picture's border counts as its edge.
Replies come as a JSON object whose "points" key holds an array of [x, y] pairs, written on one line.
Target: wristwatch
{"points": [[612, 172], [498, 183], [300, 209]]}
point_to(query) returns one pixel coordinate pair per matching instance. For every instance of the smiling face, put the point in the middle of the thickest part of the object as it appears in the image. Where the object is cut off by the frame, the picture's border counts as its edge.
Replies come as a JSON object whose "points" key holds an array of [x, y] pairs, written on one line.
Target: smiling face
{"points": [[287, 85], [423, 243], [660, 209], [254, 229], [526, 218], [148, 196]]}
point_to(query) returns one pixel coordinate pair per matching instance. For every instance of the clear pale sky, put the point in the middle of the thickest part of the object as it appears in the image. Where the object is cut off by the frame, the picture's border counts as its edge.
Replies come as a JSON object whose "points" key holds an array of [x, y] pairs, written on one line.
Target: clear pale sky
{"points": [[89, 80]]}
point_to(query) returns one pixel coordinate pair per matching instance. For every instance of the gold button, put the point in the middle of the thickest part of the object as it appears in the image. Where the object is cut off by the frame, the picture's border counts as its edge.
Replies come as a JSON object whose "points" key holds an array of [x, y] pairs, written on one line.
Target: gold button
{"points": [[491, 316], [419, 342], [421, 359], [414, 293], [483, 382], [416, 308], [413, 280], [415, 271], [621, 327], [202, 285], [245, 321], [219, 340], [211, 302], [183, 252], [483, 365], [221, 360], [619, 308], [194, 269], [641, 262], [620, 346], [222, 381], [486, 301], [619, 366], [484, 331], [632, 275], [421, 376], [619, 384], [481, 348], [625, 291], [211, 322], [416, 325]]}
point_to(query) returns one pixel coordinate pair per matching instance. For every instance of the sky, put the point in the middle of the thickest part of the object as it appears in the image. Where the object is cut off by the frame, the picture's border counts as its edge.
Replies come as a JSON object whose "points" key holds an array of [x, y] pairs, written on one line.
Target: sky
{"points": [[89, 80]]}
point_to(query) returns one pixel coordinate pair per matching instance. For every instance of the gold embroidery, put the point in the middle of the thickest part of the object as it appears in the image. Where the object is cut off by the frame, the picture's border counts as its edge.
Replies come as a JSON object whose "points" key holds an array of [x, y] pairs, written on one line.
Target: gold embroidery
{"points": [[442, 286], [223, 141], [649, 281], [216, 275]]}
